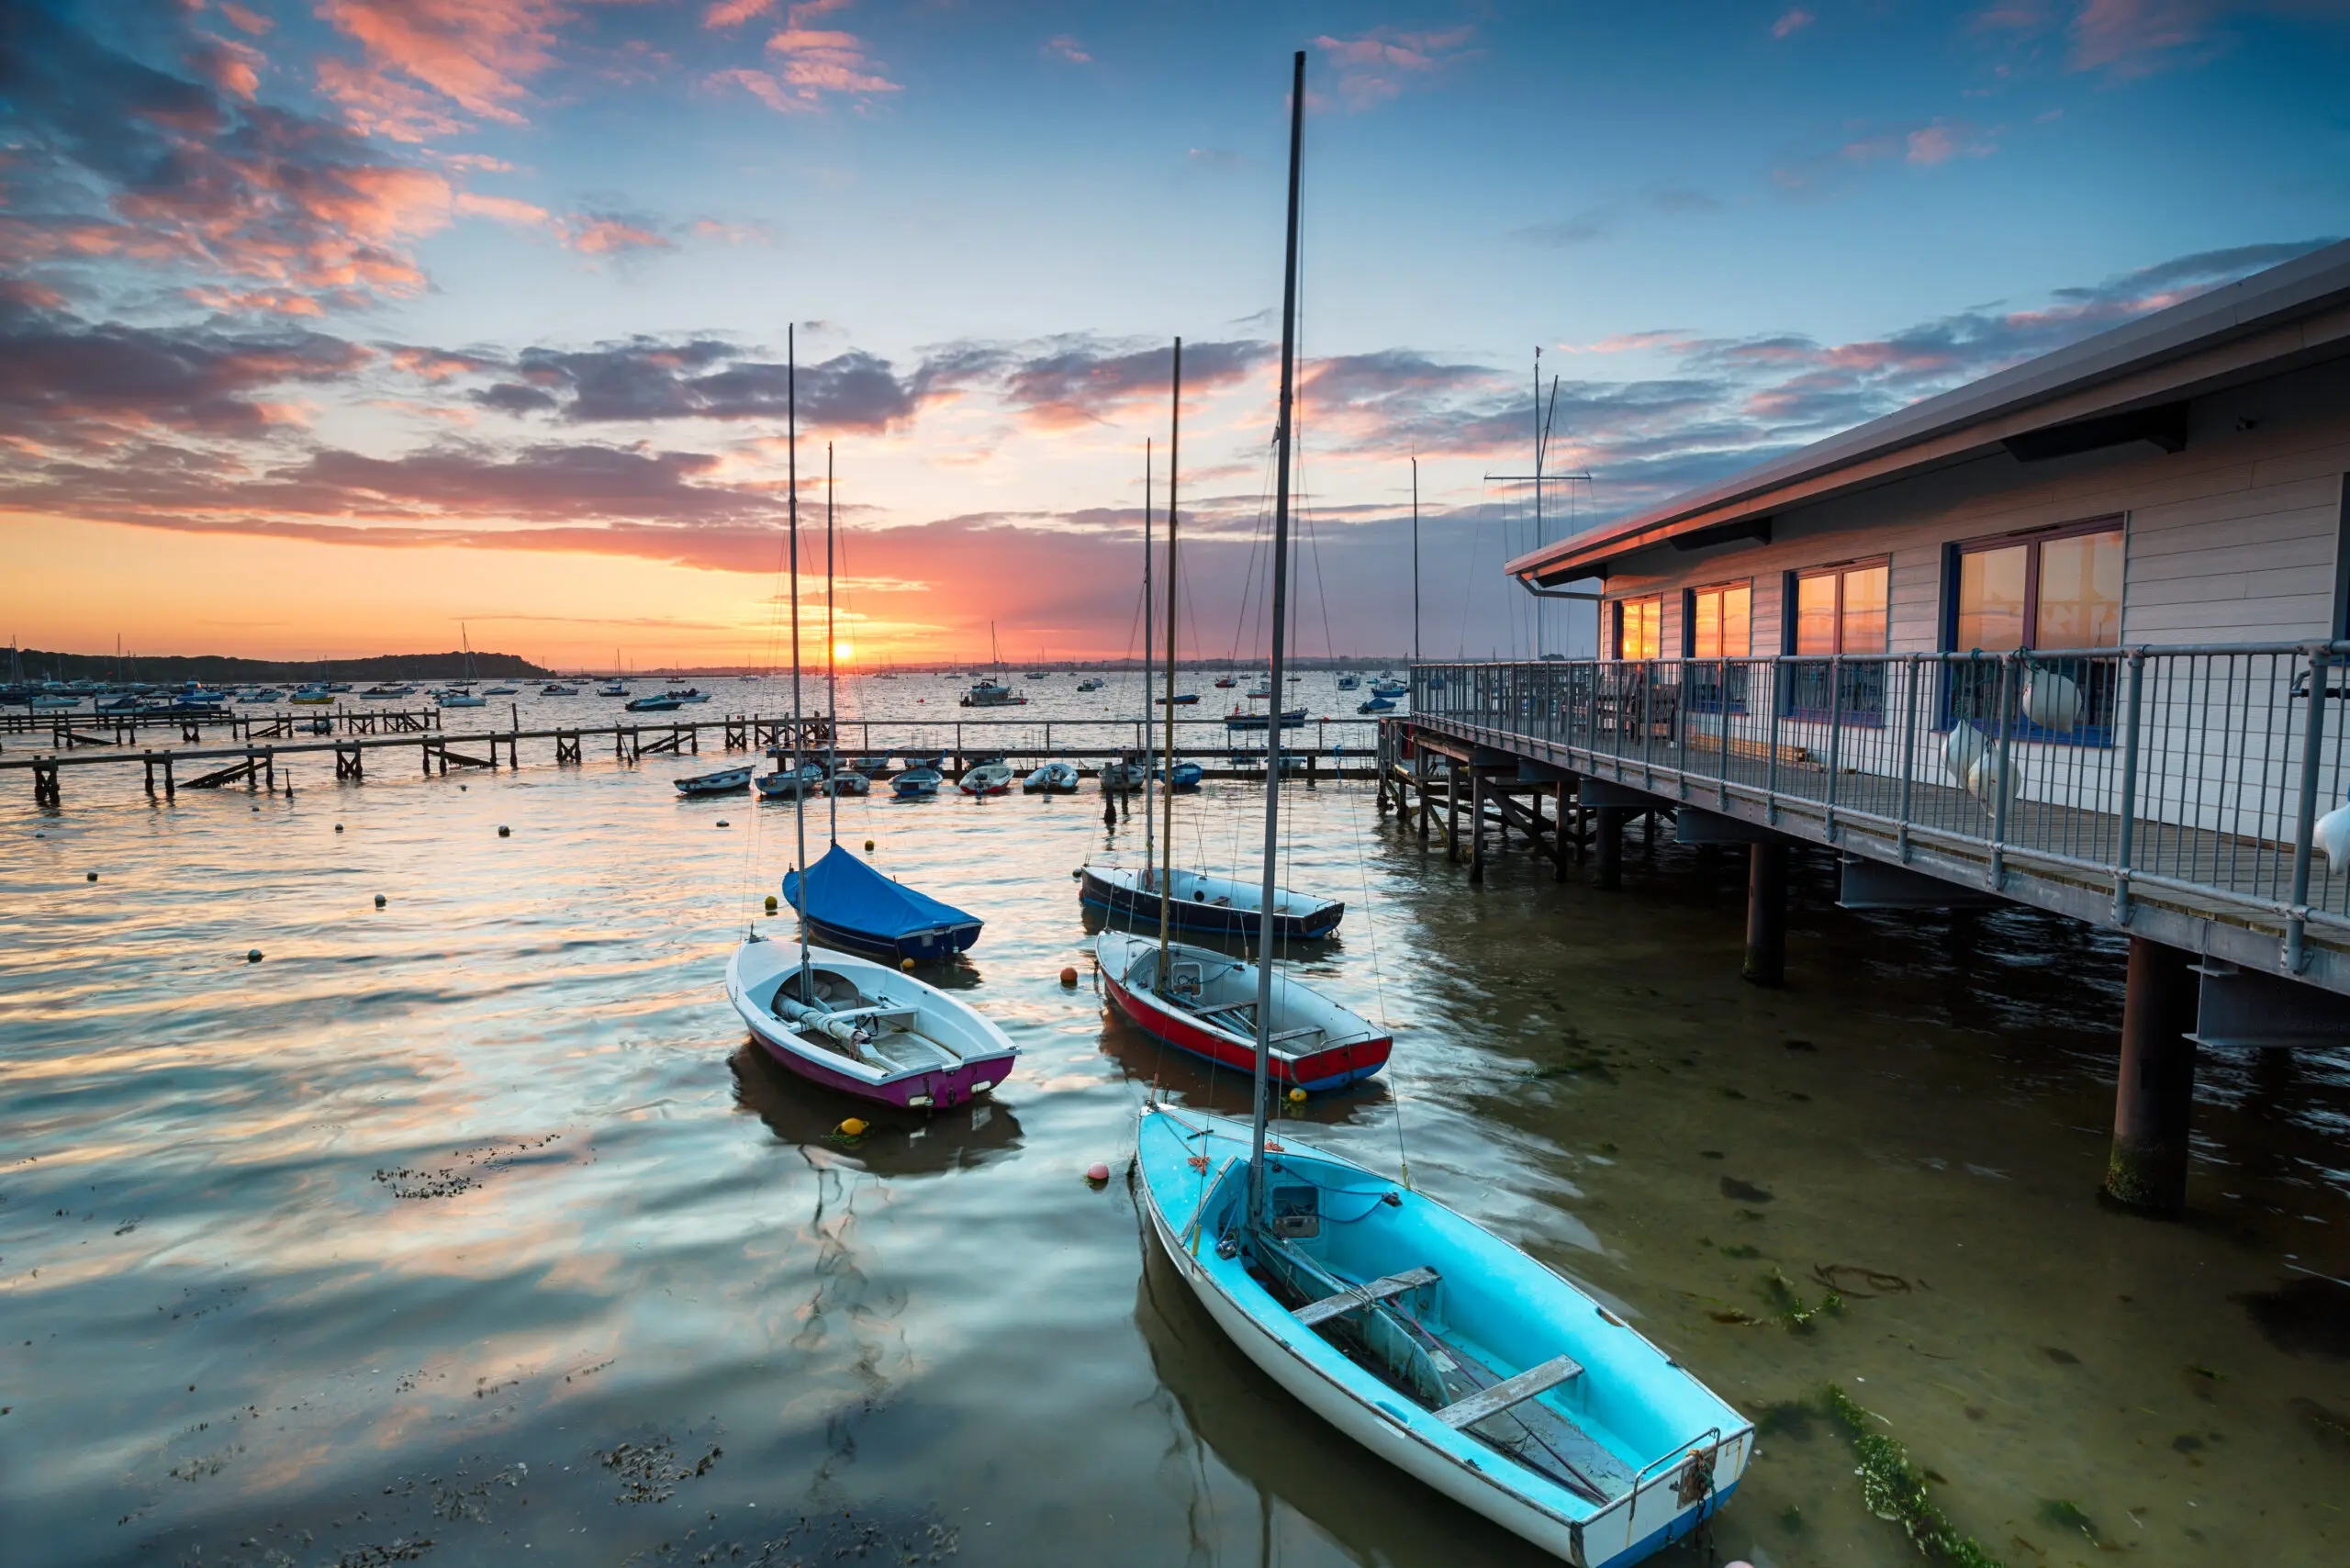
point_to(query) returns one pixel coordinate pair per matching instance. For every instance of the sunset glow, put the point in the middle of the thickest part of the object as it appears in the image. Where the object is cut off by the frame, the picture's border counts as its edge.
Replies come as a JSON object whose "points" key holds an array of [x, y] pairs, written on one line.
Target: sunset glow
{"points": [[325, 328]]}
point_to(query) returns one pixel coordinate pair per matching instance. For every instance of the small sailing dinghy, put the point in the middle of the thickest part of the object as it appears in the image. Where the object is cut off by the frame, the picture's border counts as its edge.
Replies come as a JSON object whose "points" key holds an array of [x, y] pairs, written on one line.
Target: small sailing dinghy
{"points": [[848, 780], [917, 783], [725, 781], [863, 1028], [852, 905], [987, 778], [786, 784], [1379, 703], [1208, 1007], [1198, 901], [1438, 1345], [1182, 775], [1053, 779]]}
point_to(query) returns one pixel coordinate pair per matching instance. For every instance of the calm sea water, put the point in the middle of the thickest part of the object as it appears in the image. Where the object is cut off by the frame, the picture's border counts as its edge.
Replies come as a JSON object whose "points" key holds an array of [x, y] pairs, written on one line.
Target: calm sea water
{"points": [[471, 1221]]}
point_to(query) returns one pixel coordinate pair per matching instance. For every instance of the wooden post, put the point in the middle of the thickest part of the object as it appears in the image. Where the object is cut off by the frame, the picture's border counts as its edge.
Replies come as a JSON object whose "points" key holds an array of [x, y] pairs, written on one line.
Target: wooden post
{"points": [[1451, 810], [1476, 825], [1766, 915], [1609, 850], [1420, 787], [171, 791]]}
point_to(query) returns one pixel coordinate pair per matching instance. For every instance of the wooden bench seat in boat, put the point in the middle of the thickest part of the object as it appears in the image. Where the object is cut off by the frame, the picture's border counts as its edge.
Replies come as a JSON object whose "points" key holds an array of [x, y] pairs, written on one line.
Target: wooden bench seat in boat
{"points": [[1330, 1307], [1497, 1397]]}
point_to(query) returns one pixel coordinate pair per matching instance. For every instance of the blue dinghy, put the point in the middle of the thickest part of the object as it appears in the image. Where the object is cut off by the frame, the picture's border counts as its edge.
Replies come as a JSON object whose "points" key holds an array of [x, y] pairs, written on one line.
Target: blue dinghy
{"points": [[1497, 1382], [852, 905]]}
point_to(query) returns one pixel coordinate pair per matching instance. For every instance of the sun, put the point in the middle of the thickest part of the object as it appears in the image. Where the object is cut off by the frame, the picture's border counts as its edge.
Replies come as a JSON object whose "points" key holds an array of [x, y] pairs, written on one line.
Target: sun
{"points": [[843, 650]]}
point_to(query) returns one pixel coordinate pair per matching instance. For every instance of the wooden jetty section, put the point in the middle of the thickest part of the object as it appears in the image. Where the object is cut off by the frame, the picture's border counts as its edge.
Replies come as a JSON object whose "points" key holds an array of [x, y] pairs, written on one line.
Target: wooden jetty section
{"points": [[72, 731], [255, 763]]}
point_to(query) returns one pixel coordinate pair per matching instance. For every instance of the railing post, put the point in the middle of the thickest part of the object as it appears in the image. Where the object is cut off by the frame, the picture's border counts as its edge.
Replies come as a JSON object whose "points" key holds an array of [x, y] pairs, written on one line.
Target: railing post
{"points": [[2127, 848], [1771, 766], [2001, 783], [1835, 737], [1681, 731], [2312, 742], [1909, 762]]}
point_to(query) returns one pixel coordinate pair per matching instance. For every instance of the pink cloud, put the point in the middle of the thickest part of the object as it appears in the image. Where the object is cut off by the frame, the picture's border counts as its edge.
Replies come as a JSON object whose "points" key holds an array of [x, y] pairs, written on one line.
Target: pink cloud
{"points": [[1068, 49], [506, 209], [734, 13], [2137, 38], [595, 236], [472, 53], [246, 22], [1378, 65], [1794, 21]]}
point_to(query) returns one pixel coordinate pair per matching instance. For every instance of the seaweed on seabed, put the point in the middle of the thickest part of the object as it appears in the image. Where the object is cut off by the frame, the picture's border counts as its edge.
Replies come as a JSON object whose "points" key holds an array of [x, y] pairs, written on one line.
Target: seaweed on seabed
{"points": [[1892, 1489], [1789, 1307]]}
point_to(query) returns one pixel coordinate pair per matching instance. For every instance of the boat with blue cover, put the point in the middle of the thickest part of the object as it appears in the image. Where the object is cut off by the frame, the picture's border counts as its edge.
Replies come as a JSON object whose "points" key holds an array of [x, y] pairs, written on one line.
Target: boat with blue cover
{"points": [[853, 906], [1438, 1346]]}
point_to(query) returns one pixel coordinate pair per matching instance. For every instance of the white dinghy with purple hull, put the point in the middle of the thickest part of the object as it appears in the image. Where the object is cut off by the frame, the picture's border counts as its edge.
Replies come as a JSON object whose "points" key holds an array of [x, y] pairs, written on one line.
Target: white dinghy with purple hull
{"points": [[864, 1027]]}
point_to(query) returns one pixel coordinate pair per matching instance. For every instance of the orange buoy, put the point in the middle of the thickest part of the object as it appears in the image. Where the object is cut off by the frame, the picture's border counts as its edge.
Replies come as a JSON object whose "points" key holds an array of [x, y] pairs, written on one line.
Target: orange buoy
{"points": [[907, 965], [1097, 1174], [1069, 975], [851, 1128]]}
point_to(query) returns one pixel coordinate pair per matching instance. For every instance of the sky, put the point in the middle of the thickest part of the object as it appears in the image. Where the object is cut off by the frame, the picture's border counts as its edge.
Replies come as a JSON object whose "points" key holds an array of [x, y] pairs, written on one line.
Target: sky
{"points": [[355, 325]]}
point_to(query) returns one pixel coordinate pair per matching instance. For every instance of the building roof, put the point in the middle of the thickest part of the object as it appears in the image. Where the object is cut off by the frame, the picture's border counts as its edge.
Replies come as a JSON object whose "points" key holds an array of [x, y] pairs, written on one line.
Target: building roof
{"points": [[2127, 384]]}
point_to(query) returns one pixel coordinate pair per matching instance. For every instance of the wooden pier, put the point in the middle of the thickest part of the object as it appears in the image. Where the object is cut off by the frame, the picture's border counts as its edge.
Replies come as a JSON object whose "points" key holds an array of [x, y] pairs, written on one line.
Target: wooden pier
{"points": [[256, 762], [71, 731]]}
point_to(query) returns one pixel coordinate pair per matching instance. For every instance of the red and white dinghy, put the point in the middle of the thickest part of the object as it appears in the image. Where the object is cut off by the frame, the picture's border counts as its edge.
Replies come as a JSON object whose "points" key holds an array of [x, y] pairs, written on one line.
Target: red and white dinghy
{"points": [[1208, 1009]]}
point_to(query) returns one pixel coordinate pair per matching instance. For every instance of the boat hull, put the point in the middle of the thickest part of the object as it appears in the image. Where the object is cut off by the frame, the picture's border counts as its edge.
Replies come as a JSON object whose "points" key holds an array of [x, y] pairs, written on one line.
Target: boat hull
{"points": [[1315, 1073], [1133, 904], [1630, 1530], [921, 946]]}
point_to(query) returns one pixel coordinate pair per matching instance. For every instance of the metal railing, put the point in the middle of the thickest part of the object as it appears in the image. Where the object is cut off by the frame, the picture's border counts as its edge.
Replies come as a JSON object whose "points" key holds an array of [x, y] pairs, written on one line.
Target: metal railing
{"points": [[2204, 770]]}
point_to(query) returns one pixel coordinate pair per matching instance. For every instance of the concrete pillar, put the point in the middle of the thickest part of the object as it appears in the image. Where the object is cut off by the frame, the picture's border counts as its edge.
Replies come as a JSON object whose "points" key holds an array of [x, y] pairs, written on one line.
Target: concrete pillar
{"points": [[2155, 1098], [1766, 915], [1476, 826], [1609, 835]]}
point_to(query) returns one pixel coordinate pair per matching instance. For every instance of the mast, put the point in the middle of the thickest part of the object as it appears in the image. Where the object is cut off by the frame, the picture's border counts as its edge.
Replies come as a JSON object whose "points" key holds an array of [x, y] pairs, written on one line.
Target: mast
{"points": [[1166, 751], [1150, 821], [1284, 432], [799, 785], [1416, 559], [832, 672]]}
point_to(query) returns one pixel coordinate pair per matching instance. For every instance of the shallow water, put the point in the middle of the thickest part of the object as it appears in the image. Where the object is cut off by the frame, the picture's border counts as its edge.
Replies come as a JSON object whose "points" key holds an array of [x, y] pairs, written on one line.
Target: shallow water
{"points": [[470, 1220]]}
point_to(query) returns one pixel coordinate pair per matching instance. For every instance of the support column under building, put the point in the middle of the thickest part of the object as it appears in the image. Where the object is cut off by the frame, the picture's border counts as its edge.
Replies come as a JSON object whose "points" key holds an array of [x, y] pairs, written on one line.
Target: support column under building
{"points": [[1766, 914], [2153, 1097], [1609, 849]]}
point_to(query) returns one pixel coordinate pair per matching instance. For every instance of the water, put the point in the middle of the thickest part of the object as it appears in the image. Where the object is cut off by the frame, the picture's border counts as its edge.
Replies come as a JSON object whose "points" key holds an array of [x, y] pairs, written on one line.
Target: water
{"points": [[471, 1220]]}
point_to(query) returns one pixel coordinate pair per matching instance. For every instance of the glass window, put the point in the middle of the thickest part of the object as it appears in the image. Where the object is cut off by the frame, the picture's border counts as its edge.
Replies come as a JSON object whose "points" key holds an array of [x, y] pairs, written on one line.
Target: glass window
{"points": [[1842, 610], [1721, 622], [2080, 592], [1638, 623], [1816, 613], [1991, 597], [1862, 623]]}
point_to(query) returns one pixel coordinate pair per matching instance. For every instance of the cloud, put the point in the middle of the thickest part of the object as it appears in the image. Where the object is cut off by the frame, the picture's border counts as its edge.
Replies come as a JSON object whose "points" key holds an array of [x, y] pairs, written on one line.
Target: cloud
{"points": [[701, 379], [1064, 47], [734, 13], [607, 234], [1919, 144], [1596, 223], [1380, 64], [813, 61], [67, 384], [1077, 379], [1791, 22], [420, 56], [2138, 38], [1217, 158], [1602, 222]]}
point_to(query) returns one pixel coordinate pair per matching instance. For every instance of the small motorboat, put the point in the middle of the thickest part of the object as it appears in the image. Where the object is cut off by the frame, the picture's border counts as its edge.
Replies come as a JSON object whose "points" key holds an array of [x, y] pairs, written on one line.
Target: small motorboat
{"points": [[1199, 902], [382, 690], [1438, 1345], [1385, 687], [505, 690], [1377, 704], [128, 702], [917, 783], [1182, 776], [783, 784], [1090, 683], [1350, 683], [992, 694], [848, 780], [454, 699], [1208, 1007], [1038, 673], [852, 905], [658, 702], [858, 1027], [53, 702], [557, 688], [987, 778], [1053, 779], [690, 694], [871, 767], [609, 688], [934, 761], [1180, 699], [312, 697], [1260, 690], [1225, 683], [725, 781], [263, 696]]}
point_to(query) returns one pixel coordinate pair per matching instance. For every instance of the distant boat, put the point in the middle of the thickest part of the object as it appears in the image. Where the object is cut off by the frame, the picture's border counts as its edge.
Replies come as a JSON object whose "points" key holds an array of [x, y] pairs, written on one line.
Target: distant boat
{"points": [[865, 1028], [654, 703], [455, 699], [1350, 682], [1264, 689], [725, 781], [49, 702], [1383, 687], [1379, 703], [848, 780], [869, 766], [1180, 699], [1053, 779], [1090, 683], [503, 690], [557, 688], [384, 690], [690, 694], [986, 693], [917, 783], [987, 778], [1039, 673], [784, 785], [264, 696], [609, 688], [934, 761], [1225, 683], [851, 905], [1184, 776]]}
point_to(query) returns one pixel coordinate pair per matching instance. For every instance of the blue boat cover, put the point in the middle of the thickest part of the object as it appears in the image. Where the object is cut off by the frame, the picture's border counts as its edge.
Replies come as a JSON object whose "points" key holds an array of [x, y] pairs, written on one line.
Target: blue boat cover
{"points": [[849, 895]]}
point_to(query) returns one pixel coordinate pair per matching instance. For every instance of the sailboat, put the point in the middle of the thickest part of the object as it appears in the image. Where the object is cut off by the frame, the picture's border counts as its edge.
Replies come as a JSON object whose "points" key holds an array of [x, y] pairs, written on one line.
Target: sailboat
{"points": [[460, 693], [1429, 1341], [831, 1016]]}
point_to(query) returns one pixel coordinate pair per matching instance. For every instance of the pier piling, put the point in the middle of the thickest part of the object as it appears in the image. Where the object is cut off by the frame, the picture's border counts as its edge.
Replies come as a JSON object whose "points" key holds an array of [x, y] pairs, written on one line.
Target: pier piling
{"points": [[1766, 915], [1609, 847], [2155, 1091]]}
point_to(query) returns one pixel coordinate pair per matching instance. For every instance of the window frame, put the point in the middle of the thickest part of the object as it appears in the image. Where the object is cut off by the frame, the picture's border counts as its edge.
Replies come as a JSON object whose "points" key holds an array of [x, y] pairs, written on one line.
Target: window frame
{"points": [[1715, 683], [1616, 628], [1689, 615], [2032, 538], [1869, 710]]}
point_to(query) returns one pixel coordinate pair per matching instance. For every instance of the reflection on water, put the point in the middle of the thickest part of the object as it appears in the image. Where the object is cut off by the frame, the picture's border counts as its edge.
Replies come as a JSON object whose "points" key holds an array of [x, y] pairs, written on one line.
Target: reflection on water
{"points": [[472, 1218]]}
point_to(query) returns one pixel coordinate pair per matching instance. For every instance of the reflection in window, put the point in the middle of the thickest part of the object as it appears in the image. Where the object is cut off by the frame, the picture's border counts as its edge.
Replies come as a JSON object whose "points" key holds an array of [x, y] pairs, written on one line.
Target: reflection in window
{"points": [[2059, 594], [1841, 610], [1991, 597], [1721, 621], [1639, 628], [2080, 592]]}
